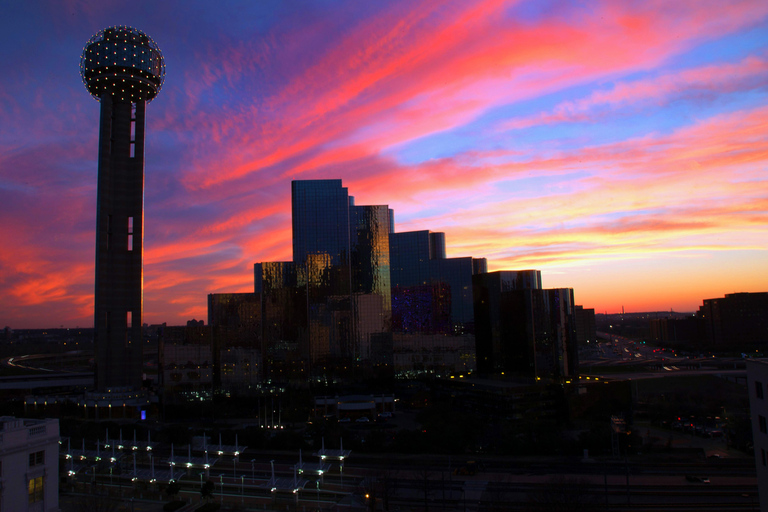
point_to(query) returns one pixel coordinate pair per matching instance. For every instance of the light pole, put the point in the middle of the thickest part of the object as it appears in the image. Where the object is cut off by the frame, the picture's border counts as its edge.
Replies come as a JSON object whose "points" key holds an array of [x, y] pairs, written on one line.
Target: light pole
{"points": [[221, 483], [253, 471], [242, 488]]}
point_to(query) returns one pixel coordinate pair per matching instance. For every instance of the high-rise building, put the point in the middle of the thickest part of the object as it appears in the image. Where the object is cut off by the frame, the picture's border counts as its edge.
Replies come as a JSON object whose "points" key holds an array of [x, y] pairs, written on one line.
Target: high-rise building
{"points": [[523, 330], [320, 220], [432, 315], [358, 293], [123, 69], [331, 305]]}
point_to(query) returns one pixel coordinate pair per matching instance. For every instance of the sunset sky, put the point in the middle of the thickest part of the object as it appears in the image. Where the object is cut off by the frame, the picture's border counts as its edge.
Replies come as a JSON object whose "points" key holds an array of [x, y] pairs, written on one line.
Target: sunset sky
{"points": [[619, 147]]}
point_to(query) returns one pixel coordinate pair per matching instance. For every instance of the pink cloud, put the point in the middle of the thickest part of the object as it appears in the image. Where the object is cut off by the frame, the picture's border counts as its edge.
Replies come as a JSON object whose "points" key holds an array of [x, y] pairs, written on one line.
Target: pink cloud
{"points": [[749, 73]]}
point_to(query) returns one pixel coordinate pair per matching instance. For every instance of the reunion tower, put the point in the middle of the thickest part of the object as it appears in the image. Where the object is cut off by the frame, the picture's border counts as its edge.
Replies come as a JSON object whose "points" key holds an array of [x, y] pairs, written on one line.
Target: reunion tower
{"points": [[123, 69]]}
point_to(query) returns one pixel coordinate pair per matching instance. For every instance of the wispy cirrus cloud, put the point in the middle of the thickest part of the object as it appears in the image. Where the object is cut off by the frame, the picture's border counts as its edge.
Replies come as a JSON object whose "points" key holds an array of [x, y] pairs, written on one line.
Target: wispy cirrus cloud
{"points": [[710, 80], [261, 94]]}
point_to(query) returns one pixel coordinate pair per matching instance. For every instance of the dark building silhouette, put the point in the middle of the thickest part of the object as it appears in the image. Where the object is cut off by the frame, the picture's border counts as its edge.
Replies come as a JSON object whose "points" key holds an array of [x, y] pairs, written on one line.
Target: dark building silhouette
{"points": [[523, 330], [737, 318], [235, 326], [586, 328], [123, 69], [674, 331], [185, 362]]}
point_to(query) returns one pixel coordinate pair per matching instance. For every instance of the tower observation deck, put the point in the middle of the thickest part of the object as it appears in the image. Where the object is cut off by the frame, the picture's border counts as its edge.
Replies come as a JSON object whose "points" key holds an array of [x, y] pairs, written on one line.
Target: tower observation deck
{"points": [[123, 69]]}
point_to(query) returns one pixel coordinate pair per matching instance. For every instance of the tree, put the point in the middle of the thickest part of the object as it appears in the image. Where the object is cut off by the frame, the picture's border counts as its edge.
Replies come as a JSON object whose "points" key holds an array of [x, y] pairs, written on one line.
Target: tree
{"points": [[206, 490], [172, 489]]}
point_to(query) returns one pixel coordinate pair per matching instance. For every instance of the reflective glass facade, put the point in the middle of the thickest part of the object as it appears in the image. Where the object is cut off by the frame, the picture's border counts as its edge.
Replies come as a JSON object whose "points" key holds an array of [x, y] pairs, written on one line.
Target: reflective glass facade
{"points": [[432, 310], [359, 295], [330, 306], [430, 293], [320, 210], [284, 327], [371, 289]]}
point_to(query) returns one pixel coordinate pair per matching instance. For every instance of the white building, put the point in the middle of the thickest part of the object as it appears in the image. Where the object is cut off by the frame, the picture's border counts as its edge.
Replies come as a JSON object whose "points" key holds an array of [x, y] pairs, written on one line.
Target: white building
{"points": [[29, 465], [757, 385]]}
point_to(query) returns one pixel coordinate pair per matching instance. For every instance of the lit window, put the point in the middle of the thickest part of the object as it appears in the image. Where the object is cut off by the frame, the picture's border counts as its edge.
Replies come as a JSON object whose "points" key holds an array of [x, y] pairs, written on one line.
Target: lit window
{"points": [[35, 489]]}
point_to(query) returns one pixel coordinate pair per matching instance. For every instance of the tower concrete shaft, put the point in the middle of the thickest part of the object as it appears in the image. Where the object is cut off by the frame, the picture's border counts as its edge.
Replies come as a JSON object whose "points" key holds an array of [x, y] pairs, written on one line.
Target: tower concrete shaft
{"points": [[124, 69], [119, 244]]}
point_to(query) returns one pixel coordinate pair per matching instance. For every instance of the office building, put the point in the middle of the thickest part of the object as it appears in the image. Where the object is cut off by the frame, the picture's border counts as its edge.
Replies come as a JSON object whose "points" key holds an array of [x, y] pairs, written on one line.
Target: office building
{"points": [[185, 362], [737, 318], [235, 325], [432, 310], [522, 330], [29, 465], [123, 69], [757, 386], [358, 295], [331, 305], [586, 328]]}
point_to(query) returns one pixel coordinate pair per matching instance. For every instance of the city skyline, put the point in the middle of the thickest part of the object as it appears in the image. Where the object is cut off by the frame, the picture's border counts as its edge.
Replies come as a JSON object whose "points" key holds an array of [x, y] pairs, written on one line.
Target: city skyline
{"points": [[619, 149]]}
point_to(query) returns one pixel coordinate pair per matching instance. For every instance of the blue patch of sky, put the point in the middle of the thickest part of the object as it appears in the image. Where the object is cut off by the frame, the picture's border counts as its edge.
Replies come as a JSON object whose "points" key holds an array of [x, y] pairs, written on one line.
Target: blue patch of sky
{"points": [[727, 49], [611, 124], [625, 214], [533, 186], [532, 11]]}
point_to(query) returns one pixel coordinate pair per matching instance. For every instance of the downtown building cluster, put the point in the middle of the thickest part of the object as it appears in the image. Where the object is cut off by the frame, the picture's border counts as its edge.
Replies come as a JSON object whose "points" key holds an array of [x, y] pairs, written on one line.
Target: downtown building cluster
{"points": [[359, 299]]}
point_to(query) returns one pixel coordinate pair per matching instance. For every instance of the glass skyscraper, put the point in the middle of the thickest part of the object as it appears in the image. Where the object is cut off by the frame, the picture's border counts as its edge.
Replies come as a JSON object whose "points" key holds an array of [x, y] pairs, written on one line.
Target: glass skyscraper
{"points": [[432, 316], [359, 296], [320, 220], [328, 306]]}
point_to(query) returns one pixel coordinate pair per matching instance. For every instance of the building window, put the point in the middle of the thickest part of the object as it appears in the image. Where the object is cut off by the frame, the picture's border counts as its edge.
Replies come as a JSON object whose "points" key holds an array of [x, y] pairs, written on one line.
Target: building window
{"points": [[759, 389], [130, 233], [763, 426], [35, 489], [37, 458]]}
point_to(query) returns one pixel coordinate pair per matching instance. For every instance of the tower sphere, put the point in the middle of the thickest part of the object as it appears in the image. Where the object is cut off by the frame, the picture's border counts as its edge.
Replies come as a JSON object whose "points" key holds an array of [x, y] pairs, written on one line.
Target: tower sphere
{"points": [[124, 62]]}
